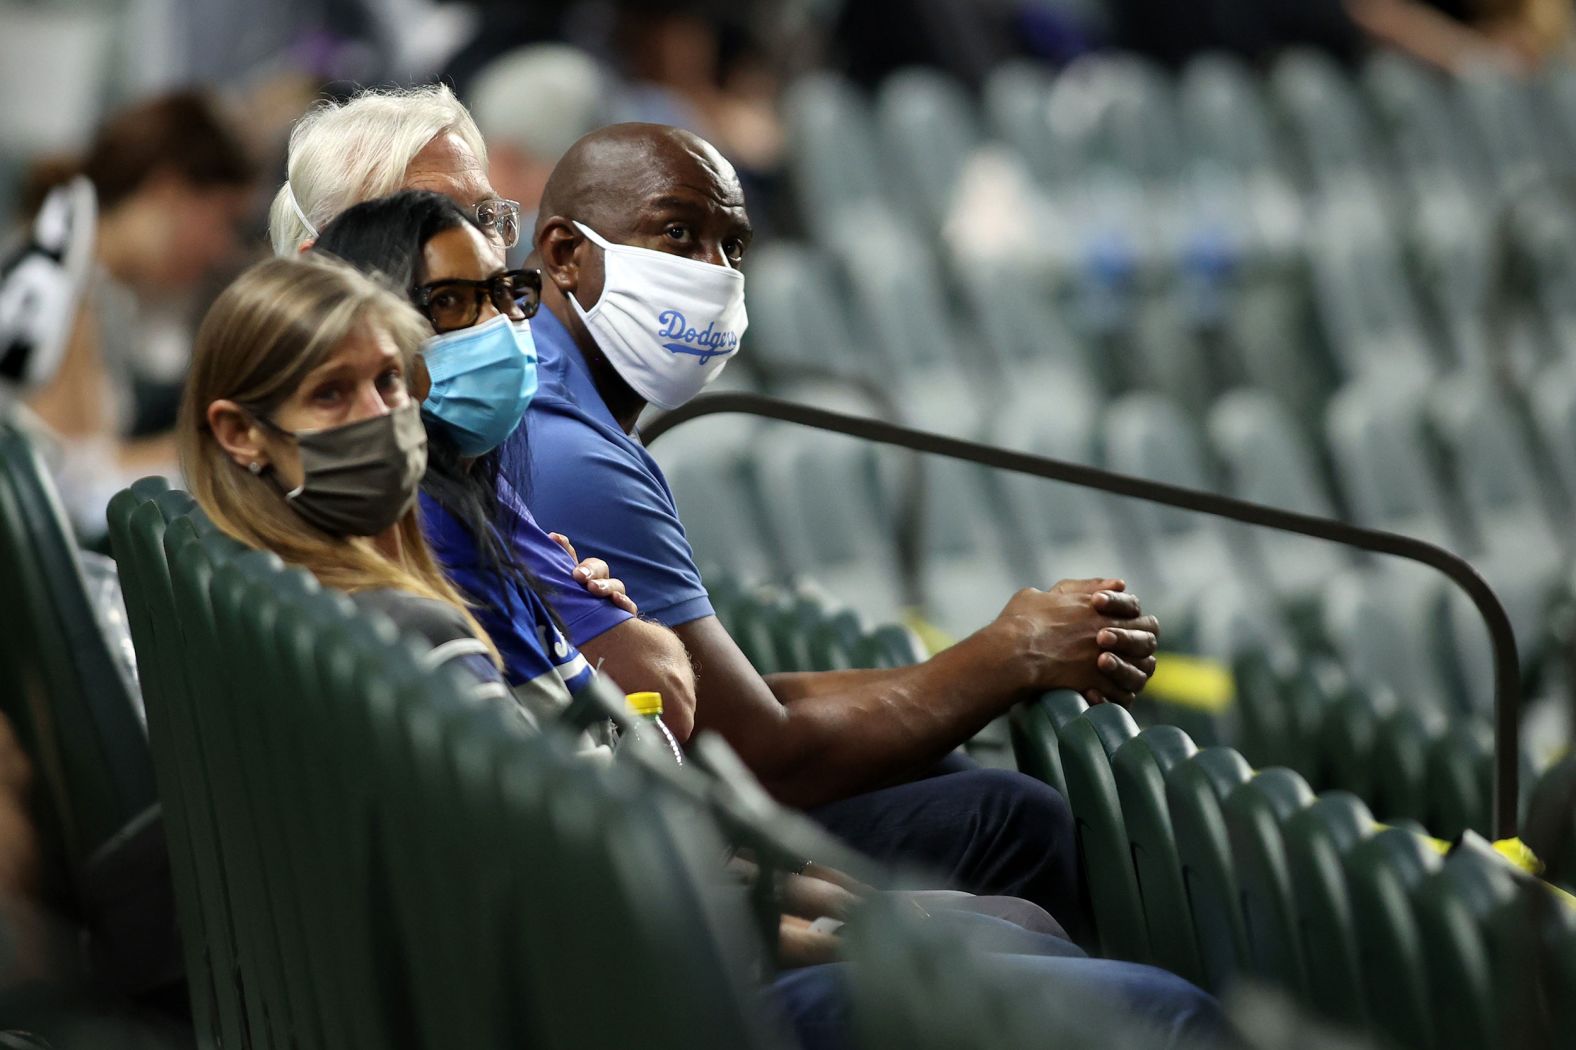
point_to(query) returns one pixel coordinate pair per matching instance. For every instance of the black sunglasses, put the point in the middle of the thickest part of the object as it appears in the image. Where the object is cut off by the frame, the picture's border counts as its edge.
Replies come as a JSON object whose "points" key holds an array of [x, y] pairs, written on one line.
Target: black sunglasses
{"points": [[455, 304]]}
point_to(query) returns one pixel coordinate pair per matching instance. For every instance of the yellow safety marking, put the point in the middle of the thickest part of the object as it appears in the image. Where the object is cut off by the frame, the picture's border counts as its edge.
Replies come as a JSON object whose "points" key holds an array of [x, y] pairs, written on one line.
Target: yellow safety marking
{"points": [[933, 638], [1519, 854], [1193, 682]]}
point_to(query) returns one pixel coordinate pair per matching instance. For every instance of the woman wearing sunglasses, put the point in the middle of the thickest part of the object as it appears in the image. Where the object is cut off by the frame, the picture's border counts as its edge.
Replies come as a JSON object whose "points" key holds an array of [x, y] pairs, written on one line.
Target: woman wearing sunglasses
{"points": [[482, 367]]}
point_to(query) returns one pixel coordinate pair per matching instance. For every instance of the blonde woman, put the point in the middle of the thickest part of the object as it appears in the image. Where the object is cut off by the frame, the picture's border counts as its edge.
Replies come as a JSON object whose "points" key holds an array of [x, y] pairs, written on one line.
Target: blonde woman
{"points": [[300, 433]]}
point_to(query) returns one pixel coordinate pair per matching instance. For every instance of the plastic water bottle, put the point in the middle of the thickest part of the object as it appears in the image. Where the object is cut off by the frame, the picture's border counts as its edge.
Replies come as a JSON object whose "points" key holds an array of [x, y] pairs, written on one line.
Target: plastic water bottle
{"points": [[649, 707]]}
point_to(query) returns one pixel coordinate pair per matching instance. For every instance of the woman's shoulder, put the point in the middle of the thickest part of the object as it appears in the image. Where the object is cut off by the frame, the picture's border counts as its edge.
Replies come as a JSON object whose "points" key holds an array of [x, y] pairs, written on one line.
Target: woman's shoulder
{"points": [[436, 621], [449, 637]]}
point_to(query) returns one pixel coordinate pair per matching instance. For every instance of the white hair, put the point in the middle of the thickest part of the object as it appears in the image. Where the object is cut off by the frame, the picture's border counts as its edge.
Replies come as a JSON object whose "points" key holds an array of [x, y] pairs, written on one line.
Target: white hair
{"points": [[540, 98], [343, 153]]}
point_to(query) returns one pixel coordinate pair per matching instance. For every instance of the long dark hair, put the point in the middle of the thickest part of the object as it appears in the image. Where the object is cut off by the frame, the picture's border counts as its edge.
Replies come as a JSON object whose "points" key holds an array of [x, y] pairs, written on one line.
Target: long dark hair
{"points": [[386, 237]]}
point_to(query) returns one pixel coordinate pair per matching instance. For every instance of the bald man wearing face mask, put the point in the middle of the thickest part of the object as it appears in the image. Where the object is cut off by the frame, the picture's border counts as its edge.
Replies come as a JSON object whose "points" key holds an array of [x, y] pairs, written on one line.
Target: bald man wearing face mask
{"points": [[640, 239]]}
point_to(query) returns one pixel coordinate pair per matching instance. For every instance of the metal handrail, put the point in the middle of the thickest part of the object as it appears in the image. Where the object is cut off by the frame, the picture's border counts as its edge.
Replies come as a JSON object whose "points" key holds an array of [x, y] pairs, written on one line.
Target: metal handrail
{"points": [[1507, 672]]}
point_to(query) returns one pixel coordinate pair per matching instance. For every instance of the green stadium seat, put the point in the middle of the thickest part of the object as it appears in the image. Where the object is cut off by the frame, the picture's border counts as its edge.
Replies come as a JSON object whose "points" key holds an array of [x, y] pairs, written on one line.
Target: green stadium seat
{"points": [[1383, 873], [1255, 815], [1268, 460], [1086, 743], [1383, 626], [1460, 785], [1550, 826], [831, 151], [203, 735], [1552, 399], [1014, 107], [928, 130], [834, 639], [1376, 434], [1420, 114], [706, 468], [889, 645], [753, 629], [1518, 523], [1498, 108], [1065, 531], [1400, 764], [62, 692], [792, 622], [818, 493], [1282, 703], [1034, 727], [1260, 677], [1139, 767], [1532, 949], [260, 933], [1195, 790], [900, 301], [255, 618], [136, 526], [1317, 840], [1347, 740], [783, 277], [965, 572], [1226, 116], [1194, 558], [1035, 354], [1452, 909], [1561, 960], [1322, 107]]}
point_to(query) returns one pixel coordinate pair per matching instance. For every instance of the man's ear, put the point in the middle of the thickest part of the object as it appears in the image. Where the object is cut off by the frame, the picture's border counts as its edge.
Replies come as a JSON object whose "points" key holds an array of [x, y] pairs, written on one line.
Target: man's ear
{"points": [[420, 379], [237, 433], [556, 248]]}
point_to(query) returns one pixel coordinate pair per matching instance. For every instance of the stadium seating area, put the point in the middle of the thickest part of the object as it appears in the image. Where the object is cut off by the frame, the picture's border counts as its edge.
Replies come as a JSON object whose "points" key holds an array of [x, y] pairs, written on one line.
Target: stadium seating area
{"points": [[1350, 297], [324, 795], [1334, 294]]}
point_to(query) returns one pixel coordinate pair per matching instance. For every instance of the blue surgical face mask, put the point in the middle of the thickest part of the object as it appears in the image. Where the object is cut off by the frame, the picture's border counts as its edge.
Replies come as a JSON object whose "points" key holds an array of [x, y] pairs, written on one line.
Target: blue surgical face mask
{"points": [[483, 378]]}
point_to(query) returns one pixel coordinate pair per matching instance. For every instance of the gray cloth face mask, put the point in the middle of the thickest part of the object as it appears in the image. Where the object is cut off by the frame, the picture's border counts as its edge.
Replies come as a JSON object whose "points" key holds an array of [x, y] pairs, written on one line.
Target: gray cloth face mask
{"points": [[360, 478]]}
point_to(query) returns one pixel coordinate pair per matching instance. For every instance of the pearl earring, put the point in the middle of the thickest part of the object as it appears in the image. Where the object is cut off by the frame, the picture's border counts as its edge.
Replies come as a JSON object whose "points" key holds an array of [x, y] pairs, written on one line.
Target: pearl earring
{"points": [[255, 467]]}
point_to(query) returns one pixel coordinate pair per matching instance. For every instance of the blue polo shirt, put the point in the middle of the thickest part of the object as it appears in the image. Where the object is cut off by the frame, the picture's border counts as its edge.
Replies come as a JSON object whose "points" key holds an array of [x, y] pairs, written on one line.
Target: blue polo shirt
{"points": [[584, 477]]}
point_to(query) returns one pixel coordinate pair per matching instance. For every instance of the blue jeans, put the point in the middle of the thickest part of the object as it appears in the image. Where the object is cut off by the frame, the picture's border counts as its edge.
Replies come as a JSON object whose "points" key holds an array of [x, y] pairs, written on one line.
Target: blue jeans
{"points": [[1172, 1011], [987, 831]]}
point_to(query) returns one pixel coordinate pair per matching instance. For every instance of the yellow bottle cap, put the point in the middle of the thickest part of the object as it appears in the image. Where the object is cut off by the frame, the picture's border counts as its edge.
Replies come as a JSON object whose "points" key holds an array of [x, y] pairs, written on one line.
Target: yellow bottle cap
{"points": [[645, 704]]}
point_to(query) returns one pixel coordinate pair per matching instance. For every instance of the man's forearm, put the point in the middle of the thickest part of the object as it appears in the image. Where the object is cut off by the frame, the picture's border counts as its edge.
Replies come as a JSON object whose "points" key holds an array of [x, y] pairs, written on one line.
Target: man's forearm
{"points": [[789, 686], [849, 731]]}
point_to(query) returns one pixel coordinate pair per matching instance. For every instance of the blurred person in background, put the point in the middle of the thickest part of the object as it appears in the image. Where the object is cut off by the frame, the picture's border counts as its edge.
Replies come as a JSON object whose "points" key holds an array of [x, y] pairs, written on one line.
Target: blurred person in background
{"points": [[1447, 34], [166, 183], [569, 94], [697, 64], [1452, 33]]}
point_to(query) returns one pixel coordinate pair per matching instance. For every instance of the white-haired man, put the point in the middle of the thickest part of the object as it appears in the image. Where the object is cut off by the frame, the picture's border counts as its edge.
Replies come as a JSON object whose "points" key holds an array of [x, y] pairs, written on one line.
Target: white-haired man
{"points": [[377, 143]]}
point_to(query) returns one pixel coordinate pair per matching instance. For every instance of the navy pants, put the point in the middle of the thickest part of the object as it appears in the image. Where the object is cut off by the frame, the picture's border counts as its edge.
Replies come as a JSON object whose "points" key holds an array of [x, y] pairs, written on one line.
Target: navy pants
{"points": [[987, 831], [1074, 990]]}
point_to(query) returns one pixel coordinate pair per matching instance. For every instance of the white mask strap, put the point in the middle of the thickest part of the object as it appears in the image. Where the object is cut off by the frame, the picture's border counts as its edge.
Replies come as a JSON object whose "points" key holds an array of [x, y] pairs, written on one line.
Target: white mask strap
{"points": [[295, 206]]}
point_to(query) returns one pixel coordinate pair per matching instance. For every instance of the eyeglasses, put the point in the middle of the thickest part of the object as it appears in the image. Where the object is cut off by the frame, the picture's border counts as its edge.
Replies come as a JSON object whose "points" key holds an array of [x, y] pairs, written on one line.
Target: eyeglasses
{"points": [[455, 304], [501, 219]]}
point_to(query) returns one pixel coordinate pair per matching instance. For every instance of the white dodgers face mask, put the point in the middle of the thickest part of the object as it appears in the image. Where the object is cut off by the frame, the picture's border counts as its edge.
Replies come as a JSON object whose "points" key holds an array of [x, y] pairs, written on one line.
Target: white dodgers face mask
{"points": [[667, 324]]}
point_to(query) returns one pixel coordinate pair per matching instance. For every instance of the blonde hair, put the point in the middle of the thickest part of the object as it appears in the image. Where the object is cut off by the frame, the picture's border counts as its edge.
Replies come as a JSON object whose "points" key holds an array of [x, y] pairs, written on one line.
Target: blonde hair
{"points": [[266, 332], [343, 153]]}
